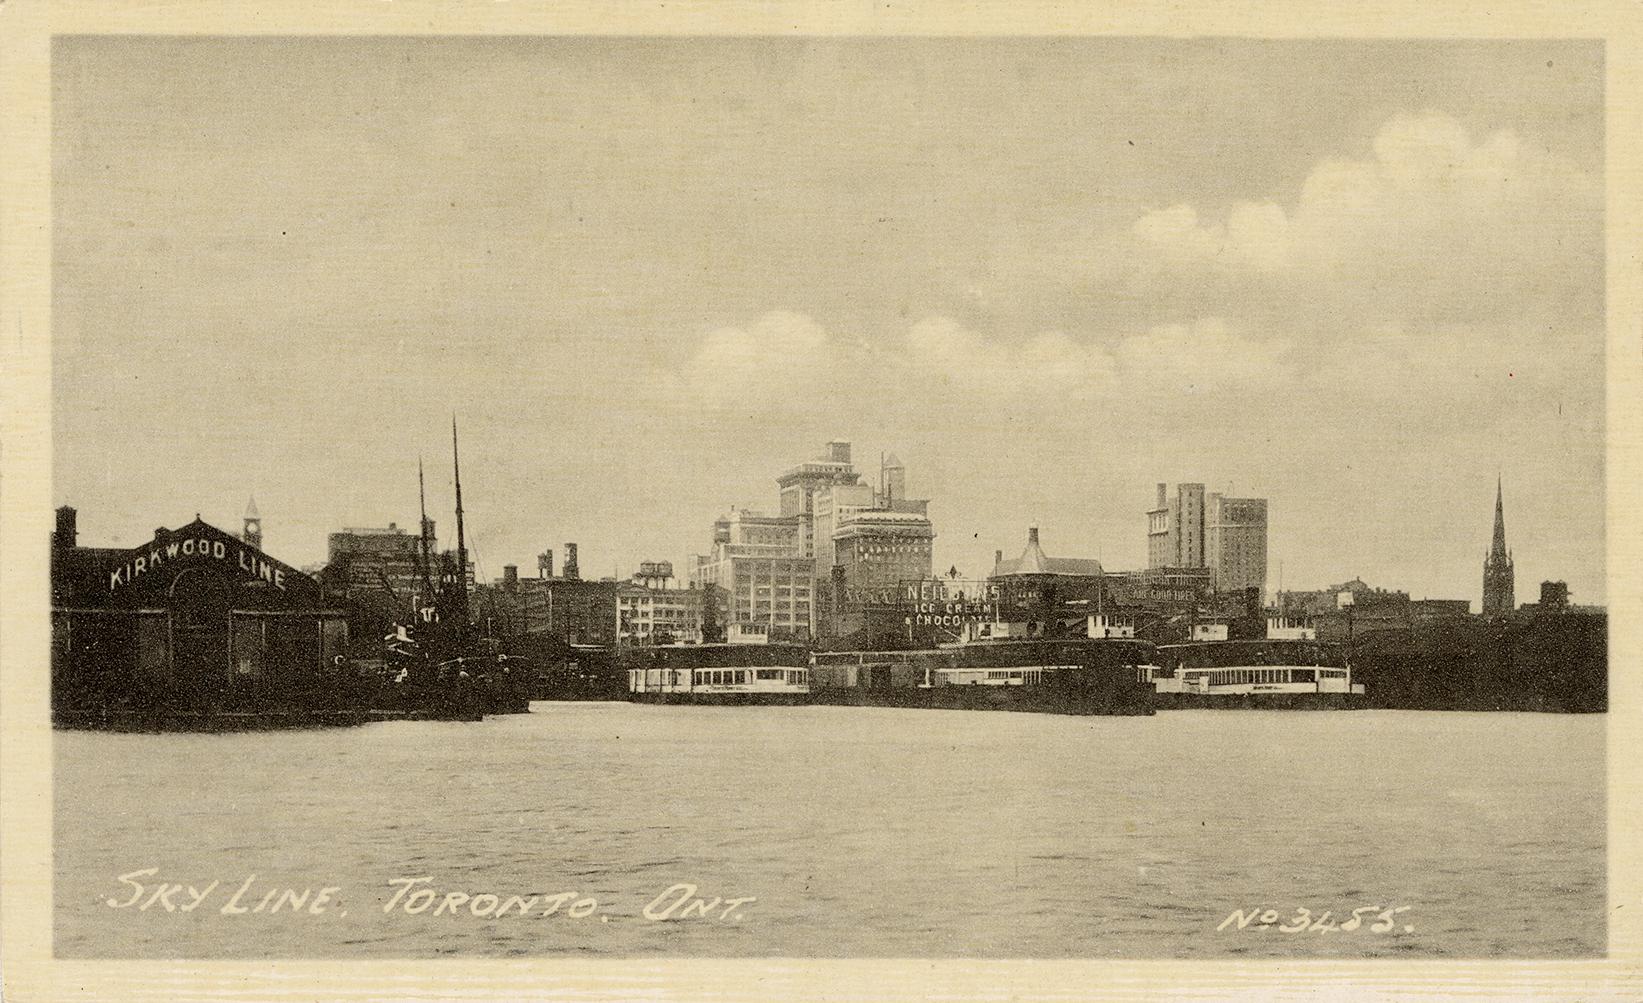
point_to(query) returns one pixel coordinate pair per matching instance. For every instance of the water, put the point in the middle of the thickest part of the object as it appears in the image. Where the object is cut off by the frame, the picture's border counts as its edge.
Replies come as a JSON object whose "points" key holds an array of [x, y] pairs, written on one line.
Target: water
{"points": [[860, 832]]}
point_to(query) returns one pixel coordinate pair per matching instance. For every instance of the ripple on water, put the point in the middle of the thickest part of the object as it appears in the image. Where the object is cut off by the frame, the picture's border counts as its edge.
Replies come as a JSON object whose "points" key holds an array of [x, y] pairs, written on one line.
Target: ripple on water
{"points": [[871, 833]]}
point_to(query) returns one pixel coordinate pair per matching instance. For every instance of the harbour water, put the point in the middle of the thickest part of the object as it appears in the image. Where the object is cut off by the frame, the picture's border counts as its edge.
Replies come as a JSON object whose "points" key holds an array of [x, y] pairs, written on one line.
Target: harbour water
{"points": [[855, 831]]}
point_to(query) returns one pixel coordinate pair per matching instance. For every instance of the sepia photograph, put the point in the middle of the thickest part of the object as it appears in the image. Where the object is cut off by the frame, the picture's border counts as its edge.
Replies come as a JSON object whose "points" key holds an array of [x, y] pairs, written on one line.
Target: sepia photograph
{"points": [[974, 497]]}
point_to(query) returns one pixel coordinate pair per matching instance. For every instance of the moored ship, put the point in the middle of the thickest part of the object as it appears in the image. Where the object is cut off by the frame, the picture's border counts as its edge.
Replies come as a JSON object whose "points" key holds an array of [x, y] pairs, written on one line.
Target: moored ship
{"points": [[997, 666], [723, 674], [1289, 669]]}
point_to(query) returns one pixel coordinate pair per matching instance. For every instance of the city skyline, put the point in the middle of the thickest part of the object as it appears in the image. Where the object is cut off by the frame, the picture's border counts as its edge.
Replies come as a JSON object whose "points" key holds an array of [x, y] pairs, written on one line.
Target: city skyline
{"points": [[1009, 262]]}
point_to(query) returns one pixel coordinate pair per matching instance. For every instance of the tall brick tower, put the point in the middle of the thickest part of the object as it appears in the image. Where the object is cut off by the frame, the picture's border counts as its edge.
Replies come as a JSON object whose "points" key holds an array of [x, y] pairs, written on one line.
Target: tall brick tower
{"points": [[1499, 587]]}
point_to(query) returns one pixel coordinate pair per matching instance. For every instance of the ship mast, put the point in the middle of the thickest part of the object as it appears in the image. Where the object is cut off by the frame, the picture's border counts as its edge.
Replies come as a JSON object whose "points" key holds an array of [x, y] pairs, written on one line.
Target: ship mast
{"points": [[422, 529], [461, 539]]}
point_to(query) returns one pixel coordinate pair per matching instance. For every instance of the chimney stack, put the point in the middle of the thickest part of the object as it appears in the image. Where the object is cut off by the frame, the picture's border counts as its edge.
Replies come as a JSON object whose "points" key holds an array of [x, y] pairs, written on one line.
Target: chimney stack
{"points": [[510, 577], [66, 533], [998, 558], [1163, 496], [572, 572], [1032, 536], [544, 564]]}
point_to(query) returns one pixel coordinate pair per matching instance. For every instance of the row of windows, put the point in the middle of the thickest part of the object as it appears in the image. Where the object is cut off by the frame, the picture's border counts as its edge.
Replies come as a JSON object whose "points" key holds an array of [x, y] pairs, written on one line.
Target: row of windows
{"points": [[1026, 675], [1235, 677], [741, 677], [774, 567]]}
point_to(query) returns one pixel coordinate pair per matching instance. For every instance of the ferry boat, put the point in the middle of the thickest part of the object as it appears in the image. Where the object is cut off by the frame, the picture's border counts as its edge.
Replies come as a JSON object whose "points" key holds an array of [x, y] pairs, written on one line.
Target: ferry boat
{"points": [[998, 666], [1287, 669], [728, 673]]}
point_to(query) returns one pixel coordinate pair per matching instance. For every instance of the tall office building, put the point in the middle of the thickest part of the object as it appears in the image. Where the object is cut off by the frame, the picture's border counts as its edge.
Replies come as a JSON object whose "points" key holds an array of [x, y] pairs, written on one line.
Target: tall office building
{"points": [[1192, 529], [1235, 541], [1175, 528], [758, 563], [800, 485], [884, 546], [874, 531]]}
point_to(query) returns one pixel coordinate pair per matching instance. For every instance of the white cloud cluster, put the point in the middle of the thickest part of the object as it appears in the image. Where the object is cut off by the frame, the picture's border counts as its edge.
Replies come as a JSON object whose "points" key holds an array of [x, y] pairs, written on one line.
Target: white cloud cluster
{"points": [[1433, 225], [780, 357], [1444, 285], [941, 350], [784, 357]]}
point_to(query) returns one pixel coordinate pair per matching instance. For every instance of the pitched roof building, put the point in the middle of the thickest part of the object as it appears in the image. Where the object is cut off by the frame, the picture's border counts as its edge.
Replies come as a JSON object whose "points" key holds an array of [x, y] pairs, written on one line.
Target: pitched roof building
{"points": [[1033, 561]]}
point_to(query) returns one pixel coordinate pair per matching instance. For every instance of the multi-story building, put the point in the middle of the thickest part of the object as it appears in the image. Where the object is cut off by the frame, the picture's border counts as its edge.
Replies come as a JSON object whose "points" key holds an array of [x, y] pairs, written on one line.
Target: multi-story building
{"points": [[577, 610], [651, 610], [800, 485], [832, 505], [1235, 541], [1192, 529], [361, 561], [884, 546], [1175, 528], [759, 565]]}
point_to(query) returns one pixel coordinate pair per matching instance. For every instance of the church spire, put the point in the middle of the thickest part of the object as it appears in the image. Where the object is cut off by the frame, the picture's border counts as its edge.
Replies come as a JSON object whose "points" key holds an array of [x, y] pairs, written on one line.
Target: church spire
{"points": [[1499, 581], [1497, 550]]}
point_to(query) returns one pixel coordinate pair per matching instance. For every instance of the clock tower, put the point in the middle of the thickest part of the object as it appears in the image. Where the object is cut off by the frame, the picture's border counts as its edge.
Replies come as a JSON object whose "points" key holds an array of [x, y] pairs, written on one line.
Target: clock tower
{"points": [[252, 533]]}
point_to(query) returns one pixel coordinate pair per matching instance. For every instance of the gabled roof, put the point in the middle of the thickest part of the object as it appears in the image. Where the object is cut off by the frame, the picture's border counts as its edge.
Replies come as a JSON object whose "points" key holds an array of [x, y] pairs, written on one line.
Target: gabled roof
{"points": [[1042, 565], [1033, 561]]}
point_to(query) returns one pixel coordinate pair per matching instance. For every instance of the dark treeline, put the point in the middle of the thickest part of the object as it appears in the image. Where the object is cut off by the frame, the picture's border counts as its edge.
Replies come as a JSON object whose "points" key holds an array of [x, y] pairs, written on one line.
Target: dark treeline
{"points": [[1528, 662]]}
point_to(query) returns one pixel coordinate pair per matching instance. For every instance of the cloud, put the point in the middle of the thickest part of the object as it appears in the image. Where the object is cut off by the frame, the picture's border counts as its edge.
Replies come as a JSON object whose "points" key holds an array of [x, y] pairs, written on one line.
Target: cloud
{"points": [[1434, 226], [1205, 355], [940, 352], [788, 360], [778, 358]]}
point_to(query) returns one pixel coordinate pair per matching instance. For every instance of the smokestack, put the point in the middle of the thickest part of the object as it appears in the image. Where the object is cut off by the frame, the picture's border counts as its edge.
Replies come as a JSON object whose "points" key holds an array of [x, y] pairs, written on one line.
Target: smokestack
{"points": [[544, 564], [1162, 495], [67, 532], [510, 577], [571, 570], [1032, 536], [998, 558]]}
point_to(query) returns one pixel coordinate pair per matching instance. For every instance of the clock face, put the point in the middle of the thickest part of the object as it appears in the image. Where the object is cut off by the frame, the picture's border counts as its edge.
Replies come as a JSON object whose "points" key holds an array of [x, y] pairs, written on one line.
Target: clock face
{"points": [[253, 527]]}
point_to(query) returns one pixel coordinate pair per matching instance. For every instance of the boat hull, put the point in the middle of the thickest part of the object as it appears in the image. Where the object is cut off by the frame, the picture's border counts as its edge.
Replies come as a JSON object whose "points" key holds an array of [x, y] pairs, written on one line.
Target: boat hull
{"points": [[1081, 677], [1025, 699], [723, 699], [1259, 701]]}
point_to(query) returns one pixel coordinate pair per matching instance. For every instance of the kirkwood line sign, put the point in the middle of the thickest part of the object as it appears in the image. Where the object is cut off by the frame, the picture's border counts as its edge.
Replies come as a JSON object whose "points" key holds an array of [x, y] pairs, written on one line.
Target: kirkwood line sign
{"points": [[190, 545]]}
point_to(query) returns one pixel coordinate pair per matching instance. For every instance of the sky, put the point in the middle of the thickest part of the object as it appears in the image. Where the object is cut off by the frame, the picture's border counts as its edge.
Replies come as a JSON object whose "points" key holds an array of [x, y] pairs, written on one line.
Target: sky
{"points": [[1361, 279]]}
